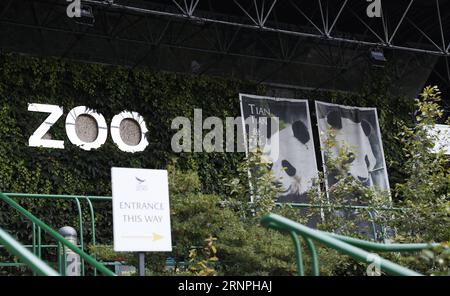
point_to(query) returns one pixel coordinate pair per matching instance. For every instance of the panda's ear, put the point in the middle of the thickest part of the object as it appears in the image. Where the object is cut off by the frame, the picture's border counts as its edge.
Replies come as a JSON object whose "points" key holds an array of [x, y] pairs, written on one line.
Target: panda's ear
{"points": [[367, 128], [334, 119], [300, 132]]}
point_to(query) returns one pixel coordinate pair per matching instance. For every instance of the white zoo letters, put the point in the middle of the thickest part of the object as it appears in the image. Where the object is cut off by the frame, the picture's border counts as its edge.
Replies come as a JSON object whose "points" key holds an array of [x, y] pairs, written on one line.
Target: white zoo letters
{"points": [[71, 130], [37, 139], [115, 131]]}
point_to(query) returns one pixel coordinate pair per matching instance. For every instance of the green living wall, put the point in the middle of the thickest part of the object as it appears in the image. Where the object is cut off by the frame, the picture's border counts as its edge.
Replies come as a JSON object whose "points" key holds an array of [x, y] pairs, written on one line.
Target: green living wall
{"points": [[159, 98]]}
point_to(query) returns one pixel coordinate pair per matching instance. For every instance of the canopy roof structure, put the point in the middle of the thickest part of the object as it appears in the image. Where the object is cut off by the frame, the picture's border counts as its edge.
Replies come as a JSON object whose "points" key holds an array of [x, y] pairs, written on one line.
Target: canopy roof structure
{"points": [[413, 25], [317, 44]]}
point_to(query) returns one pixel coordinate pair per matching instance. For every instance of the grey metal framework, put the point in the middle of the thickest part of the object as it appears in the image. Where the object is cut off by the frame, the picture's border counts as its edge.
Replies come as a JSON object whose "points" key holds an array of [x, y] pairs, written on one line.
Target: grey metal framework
{"points": [[310, 43], [261, 15]]}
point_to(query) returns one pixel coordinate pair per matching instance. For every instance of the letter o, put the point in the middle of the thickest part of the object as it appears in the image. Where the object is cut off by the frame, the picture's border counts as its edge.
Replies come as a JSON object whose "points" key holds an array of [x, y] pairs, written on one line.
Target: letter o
{"points": [[71, 128], [115, 131]]}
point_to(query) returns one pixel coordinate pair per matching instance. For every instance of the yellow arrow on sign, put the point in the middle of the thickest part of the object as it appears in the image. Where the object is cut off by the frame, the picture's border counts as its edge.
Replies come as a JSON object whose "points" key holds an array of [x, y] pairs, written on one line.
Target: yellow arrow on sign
{"points": [[157, 237]]}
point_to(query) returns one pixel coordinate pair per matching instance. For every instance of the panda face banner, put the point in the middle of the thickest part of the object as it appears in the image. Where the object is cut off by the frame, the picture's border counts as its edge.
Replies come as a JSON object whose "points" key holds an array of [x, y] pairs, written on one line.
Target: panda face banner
{"points": [[290, 149], [356, 129]]}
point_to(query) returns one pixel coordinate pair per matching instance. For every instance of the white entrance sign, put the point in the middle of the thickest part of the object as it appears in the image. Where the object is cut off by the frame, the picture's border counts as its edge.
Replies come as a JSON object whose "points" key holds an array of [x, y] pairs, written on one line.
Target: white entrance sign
{"points": [[141, 210]]}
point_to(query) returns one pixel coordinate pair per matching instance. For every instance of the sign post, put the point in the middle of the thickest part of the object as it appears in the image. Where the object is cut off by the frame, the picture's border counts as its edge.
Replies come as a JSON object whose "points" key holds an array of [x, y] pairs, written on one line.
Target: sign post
{"points": [[141, 264], [141, 212]]}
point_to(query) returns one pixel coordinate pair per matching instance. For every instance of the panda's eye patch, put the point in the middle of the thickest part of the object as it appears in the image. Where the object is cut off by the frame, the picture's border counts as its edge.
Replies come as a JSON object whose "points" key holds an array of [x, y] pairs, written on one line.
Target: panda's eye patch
{"points": [[351, 157], [290, 170], [367, 161], [367, 128]]}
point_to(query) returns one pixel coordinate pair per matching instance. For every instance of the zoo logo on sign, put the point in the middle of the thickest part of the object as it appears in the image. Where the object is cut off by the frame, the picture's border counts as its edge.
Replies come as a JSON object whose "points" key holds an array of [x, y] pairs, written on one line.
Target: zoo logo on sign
{"points": [[37, 139]]}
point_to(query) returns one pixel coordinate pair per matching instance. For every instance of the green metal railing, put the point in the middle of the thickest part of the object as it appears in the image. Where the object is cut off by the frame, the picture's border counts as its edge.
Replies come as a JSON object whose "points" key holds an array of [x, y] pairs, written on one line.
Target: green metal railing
{"points": [[28, 258], [37, 245], [78, 200], [355, 248], [62, 243], [369, 210], [377, 247]]}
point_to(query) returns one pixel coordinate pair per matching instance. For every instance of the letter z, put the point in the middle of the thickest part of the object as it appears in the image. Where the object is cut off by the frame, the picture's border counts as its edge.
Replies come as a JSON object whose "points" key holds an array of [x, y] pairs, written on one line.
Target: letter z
{"points": [[36, 140]]}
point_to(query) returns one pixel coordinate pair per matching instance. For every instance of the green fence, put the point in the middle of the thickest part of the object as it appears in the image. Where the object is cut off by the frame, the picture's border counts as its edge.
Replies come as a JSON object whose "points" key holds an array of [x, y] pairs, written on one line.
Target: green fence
{"points": [[371, 212], [355, 248], [29, 259], [346, 245], [61, 243]]}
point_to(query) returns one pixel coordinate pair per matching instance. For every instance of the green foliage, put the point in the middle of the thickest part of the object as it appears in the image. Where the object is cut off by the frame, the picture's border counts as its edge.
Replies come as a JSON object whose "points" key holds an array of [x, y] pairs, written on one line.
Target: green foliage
{"points": [[439, 259], [242, 246], [158, 97], [423, 196], [209, 191], [204, 267], [338, 212], [425, 191], [435, 261], [107, 254], [252, 180]]}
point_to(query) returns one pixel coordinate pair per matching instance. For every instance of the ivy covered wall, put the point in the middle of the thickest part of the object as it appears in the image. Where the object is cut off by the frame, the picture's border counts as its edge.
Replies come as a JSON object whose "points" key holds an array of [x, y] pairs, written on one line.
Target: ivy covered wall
{"points": [[159, 98]]}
